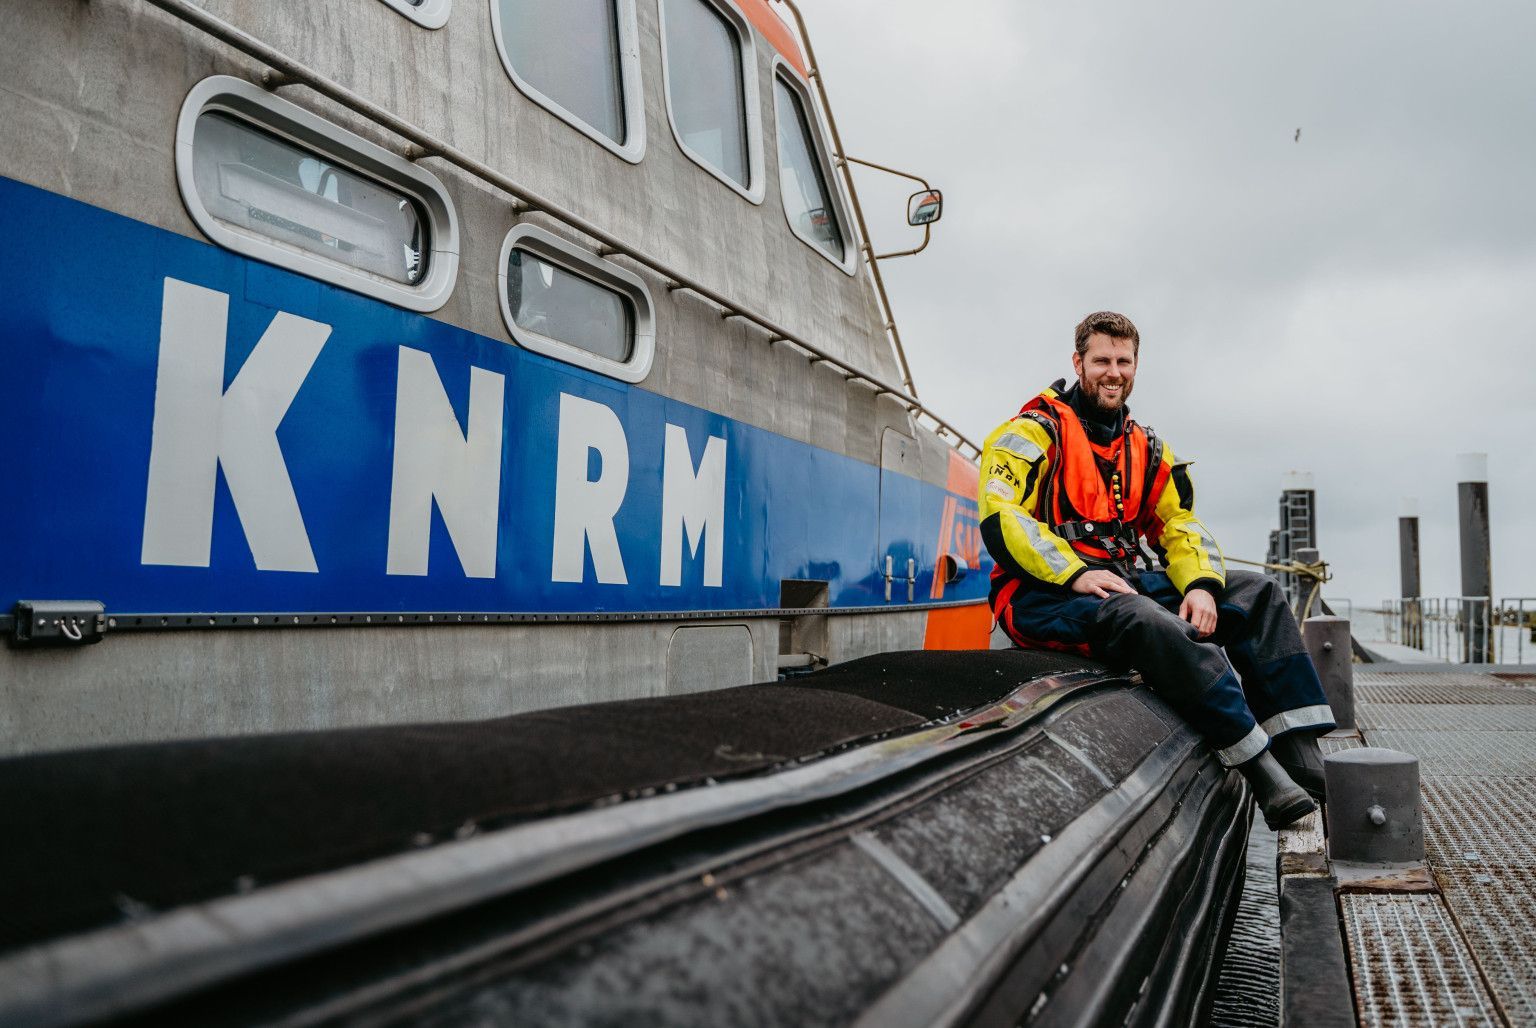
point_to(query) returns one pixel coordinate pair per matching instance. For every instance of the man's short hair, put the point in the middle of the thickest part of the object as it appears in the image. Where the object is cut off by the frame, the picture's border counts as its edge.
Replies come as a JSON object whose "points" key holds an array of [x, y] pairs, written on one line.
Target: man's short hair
{"points": [[1116, 326]]}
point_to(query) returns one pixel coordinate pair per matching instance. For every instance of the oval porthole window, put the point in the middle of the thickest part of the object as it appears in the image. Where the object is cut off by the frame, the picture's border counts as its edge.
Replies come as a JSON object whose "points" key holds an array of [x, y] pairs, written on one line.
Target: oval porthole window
{"points": [[268, 179], [570, 304], [550, 301], [253, 180]]}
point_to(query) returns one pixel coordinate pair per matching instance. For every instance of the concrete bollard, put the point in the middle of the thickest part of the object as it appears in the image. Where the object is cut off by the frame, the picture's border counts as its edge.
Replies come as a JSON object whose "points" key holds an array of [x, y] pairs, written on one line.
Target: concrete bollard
{"points": [[1373, 806], [1327, 641]]}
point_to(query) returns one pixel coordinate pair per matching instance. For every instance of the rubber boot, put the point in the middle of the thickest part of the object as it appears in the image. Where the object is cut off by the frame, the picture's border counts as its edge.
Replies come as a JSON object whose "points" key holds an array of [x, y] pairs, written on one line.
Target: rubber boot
{"points": [[1282, 800], [1302, 759]]}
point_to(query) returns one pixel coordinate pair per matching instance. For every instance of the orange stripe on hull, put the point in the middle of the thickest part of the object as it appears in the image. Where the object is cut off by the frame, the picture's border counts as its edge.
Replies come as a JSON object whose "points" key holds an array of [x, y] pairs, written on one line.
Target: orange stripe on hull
{"points": [[964, 477], [959, 628]]}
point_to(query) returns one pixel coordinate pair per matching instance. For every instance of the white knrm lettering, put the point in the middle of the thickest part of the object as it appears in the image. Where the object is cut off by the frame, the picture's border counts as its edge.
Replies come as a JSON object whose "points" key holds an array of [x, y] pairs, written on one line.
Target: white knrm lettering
{"points": [[435, 461], [585, 508], [199, 427], [695, 503]]}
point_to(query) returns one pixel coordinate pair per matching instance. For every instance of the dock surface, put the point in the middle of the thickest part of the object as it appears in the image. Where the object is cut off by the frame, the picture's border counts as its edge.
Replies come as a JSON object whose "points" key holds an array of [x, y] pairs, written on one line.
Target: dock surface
{"points": [[1461, 949]]}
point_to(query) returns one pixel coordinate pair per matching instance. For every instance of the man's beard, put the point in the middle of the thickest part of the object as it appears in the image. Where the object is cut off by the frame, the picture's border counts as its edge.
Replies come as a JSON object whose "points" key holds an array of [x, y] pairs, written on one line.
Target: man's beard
{"points": [[1115, 405]]}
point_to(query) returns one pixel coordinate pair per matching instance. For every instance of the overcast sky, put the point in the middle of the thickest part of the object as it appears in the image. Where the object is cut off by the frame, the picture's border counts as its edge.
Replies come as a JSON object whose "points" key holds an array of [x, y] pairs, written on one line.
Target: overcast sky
{"points": [[1358, 304]]}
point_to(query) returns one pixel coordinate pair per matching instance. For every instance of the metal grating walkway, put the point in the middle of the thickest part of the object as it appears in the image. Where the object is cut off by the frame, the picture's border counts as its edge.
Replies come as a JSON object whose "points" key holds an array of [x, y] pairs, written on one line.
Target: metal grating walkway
{"points": [[1497, 912], [1453, 677], [1419, 692], [1408, 965], [1467, 955], [1480, 823], [1471, 754], [1432, 717]]}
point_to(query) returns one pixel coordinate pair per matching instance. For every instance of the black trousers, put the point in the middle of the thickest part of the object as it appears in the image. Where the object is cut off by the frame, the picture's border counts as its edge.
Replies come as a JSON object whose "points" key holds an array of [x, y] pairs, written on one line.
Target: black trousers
{"points": [[1250, 680]]}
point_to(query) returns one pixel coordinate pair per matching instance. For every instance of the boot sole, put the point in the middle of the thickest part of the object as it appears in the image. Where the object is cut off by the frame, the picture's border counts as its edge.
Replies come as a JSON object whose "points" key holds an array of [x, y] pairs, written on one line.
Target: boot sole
{"points": [[1289, 814]]}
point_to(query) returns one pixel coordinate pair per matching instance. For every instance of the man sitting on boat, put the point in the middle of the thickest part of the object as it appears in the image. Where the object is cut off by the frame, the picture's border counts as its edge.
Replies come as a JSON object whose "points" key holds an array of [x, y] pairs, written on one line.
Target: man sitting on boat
{"points": [[1070, 488]]}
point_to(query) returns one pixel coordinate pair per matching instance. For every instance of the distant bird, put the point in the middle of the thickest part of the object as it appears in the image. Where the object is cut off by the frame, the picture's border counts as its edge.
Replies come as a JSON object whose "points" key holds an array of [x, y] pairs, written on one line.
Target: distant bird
{"points": [[1298, 135]]}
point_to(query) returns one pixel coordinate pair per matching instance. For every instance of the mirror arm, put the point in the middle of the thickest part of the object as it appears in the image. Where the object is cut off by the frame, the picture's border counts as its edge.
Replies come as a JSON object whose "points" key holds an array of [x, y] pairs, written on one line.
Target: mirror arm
{"points": [[927, 229], [889, 171]]}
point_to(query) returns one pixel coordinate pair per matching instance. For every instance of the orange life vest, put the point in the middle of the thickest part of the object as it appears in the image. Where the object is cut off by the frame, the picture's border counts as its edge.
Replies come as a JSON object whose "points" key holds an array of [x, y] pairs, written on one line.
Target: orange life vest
{"points": [[1096, 511]]}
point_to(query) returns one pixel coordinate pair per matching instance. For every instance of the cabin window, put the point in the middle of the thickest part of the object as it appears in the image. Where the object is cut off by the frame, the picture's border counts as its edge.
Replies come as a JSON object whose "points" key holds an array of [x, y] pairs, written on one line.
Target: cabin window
{"points": [[804, 178], [711, 91], [266, 178], [579, 60], [253, 180], [558, 304], [566, 302], [429, 14]]}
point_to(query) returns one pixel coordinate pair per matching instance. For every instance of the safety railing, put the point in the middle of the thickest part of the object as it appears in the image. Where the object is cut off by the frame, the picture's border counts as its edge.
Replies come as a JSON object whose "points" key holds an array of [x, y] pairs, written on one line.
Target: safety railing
{"points": [[1516, 620], [1463, 629]]}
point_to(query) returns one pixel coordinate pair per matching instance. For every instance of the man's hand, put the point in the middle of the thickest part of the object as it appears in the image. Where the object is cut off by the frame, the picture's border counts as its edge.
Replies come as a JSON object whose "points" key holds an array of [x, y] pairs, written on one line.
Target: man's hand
{"points": [[1102, 583], [1199, 609]]}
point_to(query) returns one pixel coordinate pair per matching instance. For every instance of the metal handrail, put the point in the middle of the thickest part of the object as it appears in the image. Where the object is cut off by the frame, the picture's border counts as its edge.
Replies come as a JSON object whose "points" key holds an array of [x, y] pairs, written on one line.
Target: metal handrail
{"points": [[813, 71], [1523, 622], [425, 145], [1459, 627]]}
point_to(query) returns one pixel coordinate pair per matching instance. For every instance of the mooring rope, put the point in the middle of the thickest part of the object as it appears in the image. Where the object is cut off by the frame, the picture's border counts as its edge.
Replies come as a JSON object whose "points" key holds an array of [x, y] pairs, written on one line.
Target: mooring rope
{"points": [[1318, 573]]}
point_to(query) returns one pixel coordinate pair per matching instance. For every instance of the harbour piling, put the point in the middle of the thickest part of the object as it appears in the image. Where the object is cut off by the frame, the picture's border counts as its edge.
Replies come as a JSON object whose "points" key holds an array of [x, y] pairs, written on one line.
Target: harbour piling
{"points": [[1476, 557], [1408, 564]]}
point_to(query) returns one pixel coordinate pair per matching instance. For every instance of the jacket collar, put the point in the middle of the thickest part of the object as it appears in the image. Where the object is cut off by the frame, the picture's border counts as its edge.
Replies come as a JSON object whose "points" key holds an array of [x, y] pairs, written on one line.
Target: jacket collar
{"points": [[1099, 430]]}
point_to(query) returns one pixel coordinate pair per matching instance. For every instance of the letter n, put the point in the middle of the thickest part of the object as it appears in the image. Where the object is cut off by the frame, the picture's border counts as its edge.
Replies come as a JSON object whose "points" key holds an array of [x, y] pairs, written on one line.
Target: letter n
{"points": [[461, 471]]}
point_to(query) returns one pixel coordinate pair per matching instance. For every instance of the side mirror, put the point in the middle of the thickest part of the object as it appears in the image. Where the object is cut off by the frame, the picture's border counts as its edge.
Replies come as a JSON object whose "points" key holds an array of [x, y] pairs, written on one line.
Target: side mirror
{"points": [[925, 207]]}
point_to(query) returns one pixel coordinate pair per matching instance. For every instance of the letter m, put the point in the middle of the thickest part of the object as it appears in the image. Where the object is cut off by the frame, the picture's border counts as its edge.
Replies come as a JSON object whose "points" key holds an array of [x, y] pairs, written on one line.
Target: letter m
{"points": [[693, 503]]}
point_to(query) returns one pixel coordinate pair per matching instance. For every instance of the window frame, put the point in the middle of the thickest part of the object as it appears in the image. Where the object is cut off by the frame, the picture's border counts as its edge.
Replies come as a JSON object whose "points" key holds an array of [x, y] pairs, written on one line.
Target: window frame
{"points": [[782, 69], [249, 104], [754, 190], [583, 263], [431, 15], [632, 149]]}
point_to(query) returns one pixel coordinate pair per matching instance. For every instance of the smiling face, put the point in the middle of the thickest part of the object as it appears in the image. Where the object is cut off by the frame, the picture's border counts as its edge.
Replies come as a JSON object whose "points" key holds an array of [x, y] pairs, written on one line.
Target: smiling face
{"points": [[1107, 370]]}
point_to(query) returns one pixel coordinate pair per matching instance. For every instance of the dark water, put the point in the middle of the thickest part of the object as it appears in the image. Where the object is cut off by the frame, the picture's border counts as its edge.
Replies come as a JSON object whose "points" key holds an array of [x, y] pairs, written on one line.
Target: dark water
{"points": [[1248, 989]]}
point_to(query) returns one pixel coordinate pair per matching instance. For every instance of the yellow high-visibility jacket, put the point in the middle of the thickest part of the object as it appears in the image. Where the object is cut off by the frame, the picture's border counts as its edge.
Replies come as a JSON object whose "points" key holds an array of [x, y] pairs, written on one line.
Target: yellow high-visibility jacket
{"points": [[1022, 467]]}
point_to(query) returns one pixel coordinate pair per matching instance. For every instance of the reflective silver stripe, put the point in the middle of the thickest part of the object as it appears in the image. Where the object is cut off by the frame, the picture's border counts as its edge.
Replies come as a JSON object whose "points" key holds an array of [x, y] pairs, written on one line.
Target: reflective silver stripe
{"points": [[1250, 746], [1017, 444], [1218, 563], [1057, 561], [1301, 717]]}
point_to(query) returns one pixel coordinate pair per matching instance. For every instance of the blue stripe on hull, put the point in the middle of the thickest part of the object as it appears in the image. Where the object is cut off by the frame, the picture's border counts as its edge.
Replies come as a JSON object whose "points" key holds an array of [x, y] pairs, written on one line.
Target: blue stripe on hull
{"points": [[81, 342]]}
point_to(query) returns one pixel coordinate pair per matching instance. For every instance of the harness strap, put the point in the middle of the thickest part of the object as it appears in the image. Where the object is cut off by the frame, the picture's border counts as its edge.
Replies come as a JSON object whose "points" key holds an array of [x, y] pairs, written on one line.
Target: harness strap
{"points": [[1097, 532], [1117, 538]]}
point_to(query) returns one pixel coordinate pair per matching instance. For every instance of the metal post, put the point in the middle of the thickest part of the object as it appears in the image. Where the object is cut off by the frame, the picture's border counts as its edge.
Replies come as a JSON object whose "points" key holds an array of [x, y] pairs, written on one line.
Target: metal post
{"points": [[1408, 567], [1476, 555], [1327, 641], [1373, 806], [1307, 589]]}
